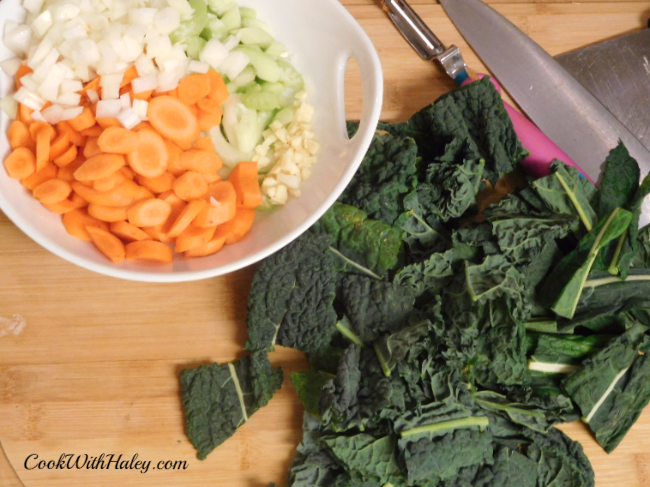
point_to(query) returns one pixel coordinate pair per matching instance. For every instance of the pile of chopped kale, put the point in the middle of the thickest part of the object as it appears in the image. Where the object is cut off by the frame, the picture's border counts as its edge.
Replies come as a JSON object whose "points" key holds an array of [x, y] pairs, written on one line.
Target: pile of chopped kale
{"points": [[446, 345]]}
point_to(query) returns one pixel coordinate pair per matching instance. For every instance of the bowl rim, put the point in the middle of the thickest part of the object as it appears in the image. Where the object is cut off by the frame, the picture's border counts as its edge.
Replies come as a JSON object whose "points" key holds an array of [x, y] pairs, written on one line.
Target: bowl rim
{"points": [[373, 97]]}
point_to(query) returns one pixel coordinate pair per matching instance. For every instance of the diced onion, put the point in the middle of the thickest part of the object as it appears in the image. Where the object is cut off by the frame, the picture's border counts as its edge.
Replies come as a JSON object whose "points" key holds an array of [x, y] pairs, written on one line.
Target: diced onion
{"points": [[141, 107], [234, 64], [69, 99], [42, 23], [33, 6], [214, 53], [125, 99], [29, 98], [37, 116], [71, 86], [92, 96], [108, 108], [17, 37], [142, 15], [145, 65], [53, 114], [167, 81], [128, 118], [199, 67], [9, 105], [167, 21], [144, 83], [11, 65]]}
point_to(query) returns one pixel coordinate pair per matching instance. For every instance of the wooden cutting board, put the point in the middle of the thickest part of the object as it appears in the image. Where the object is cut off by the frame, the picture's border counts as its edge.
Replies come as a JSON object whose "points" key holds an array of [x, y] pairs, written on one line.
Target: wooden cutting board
{"points": [[96, 368]]}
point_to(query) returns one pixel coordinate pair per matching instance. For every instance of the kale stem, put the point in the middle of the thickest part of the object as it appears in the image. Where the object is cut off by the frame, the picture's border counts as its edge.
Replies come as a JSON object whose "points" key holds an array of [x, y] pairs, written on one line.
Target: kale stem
{"points": [[574, 200], [349, 334], [603, 281], [354, 264], [544, 326], [480, 421], [501, 407], [613, 267], [382, 360]]}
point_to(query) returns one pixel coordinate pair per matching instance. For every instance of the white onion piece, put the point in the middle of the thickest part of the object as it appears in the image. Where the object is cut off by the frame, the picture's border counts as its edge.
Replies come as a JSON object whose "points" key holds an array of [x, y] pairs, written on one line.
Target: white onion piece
{"points": [[140, 107], [167, 81], [231, 42], [77, 32], [183, 7], [17, 37], [41, 51], [42, 23], [108, 108], [9, 105], [92, 95], [71, 113], [167, 21], [53, 114], [49, 88], [128, 118], [11, 65], [125, 99], [69, 99], [33, 6], [234, 64], [48, 63], [37, 116], [199, 67], [144, 83], [30, 82], [142, 15], [213, 53], [71, 86]]}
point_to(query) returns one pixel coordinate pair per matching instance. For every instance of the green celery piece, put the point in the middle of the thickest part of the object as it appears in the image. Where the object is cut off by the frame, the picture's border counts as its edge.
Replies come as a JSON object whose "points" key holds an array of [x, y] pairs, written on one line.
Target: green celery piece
{"points": [[567, 301], [219, 7], [194, 45], [218, 399], [255, 36], [289, 76], [248, 13], [258, 98], [265, 66], [194, 26], [232, 18]]}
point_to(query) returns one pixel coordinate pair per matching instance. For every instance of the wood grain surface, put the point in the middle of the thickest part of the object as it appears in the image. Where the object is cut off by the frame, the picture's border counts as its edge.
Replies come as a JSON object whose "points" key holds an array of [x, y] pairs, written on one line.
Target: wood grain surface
{"points": [[96, 368]]}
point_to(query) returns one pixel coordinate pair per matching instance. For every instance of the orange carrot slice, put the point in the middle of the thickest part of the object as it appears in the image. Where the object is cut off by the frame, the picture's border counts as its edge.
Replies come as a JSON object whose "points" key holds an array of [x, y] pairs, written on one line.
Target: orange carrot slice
{"points": [[107, 213], [234, 230], [99, 166], [24, 114], [130, 233], [124, 195], [222, 207], [208, 120], [118, 140], [71, 203], [211, 177], [159, 184], [218, 89], [94, 131], [42, 149], [192, 237], [151, 158], [75, 137], [203, 161], [174, 120], [59, 146], [149, 213], [208, 105], [127, 172], [52, 191], [91, 148], [19, 135], [190, 186], [129, 75], [21, 163], [109, 182], [76, 222], [66, 173], [247, 186], [36, 127], [67, 157], [209, 248], [204, 143], [149, 251], [193, 88], [108, 122], [107, 243], [83, 121], [50, 171], [142, 126], [23, 69], [185, 217]]}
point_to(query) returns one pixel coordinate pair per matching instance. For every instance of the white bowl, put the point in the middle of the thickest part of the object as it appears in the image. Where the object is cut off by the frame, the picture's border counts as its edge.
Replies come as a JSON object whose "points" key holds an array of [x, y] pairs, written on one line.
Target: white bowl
{"points": [[323, 36]]}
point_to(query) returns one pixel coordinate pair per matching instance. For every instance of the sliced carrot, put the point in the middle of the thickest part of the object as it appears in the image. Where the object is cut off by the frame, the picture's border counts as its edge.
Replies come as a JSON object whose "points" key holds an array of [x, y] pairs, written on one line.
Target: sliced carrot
{"points": [[208, 105], [156, 233], [193, 88], [150, 159], [211, 177], [208, 120], [159, 184], [149, 213], [109, 182], [94, 131], [129, 75], [107, 213], [149, 251], [52, 191], [42, 149], [67, 157], [130, 233], [66, 173], [83, 121], [24, 114], [192, 237], [127, 172], [174, 120], [93, 84], [59, 146], [218, 89], [124, 195], [175, 152], [36, 127], [107, 243], [234, 230], [143, 194], [185, 217], [145, 95], [50, 171], [190, 186], [222, 207], [247, 186], [209, 248], [195, 110], [108, 122], [65, 205], [19, 135], [204, 143], [173, 93], [23, 69], [159, 232], [118, 140], [202, 161], [99, 166], [142, 126], [91, 148], [21, 163], [76, 222], [75, 137]]}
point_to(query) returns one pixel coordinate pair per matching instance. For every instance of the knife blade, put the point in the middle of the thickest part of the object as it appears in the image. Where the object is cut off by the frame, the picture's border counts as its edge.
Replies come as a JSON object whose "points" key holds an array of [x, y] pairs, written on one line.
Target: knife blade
{"points": [[553, 99]]}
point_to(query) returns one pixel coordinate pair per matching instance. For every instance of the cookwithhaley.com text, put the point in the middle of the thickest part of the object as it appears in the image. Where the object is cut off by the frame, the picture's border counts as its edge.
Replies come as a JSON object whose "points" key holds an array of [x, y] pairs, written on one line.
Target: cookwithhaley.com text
{"points": [[105, 461]]}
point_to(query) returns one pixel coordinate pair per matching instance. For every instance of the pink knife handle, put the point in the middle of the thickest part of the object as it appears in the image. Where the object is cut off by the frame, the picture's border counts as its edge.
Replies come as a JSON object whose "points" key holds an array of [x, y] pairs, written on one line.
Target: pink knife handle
{"points": [[542, 149]]}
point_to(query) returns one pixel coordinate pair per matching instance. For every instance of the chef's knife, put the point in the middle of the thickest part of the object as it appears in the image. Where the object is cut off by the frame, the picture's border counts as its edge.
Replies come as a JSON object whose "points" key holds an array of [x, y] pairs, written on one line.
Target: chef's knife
{"points": [[565, 111]]}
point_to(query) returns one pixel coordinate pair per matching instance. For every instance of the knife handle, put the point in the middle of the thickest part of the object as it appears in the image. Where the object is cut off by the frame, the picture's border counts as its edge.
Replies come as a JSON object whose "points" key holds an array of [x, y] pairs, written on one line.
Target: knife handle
{"points": [[543, 150]]}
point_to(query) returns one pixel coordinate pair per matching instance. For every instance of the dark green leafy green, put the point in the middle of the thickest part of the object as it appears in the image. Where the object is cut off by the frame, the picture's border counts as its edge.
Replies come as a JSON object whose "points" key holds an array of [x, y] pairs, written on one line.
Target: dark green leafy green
{"points": [[218, 399], [308, 385]]}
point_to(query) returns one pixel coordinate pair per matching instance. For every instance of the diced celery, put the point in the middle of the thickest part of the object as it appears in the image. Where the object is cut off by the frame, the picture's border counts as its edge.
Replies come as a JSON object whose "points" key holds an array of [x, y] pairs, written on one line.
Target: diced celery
{"points": [[194, 45], [255, 23], [274, 87], [275, 50], [248, 131], [218, 28], [247, 13], [193, 26], [264, 118], [230, 119], [245, 77], [264, 65], [232, 19], [255, 35], [226, 151], [285, 116], [260, 99], [289, 76], [206, 34], [220, 7]]}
